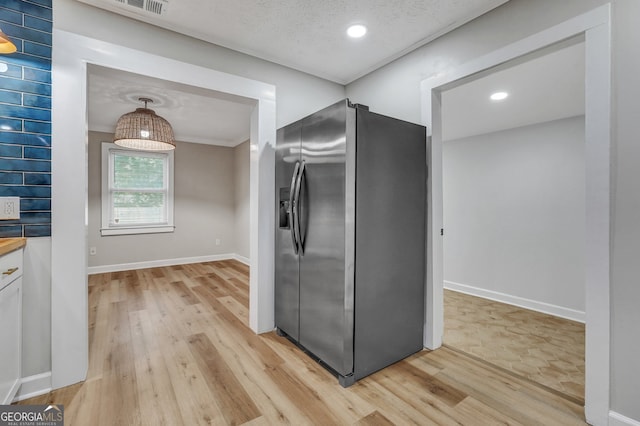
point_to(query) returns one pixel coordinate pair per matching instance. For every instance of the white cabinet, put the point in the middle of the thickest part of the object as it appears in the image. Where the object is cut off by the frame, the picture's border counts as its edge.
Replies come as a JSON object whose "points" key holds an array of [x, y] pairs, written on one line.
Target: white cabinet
{"points": [[10, 325]]}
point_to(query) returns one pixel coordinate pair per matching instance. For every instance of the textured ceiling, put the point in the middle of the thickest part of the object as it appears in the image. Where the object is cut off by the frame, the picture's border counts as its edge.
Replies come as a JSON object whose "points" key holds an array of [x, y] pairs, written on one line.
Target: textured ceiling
{"points": [[310, 36]]}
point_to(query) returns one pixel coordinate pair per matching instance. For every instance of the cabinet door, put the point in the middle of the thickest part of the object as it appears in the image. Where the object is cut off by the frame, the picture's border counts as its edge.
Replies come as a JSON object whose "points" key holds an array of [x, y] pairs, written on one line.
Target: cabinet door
{"points": [[10, 338]]}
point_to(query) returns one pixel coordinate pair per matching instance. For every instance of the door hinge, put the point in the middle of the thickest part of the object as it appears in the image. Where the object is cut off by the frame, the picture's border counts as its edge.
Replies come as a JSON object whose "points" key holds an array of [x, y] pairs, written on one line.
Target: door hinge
{"points": [[441, 231]]}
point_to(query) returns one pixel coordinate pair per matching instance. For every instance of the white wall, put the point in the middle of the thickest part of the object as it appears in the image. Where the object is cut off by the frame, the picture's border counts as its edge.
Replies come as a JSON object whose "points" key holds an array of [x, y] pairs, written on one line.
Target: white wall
{"points": [[395, 90], [298, 94], [204, 208], [514, 216], [241, 199], [625, 294]]}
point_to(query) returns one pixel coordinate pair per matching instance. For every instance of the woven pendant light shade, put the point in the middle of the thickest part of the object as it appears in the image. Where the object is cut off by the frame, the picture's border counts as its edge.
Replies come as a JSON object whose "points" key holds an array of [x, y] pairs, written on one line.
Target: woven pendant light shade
{"points": [[6, 46], [144, 130]]}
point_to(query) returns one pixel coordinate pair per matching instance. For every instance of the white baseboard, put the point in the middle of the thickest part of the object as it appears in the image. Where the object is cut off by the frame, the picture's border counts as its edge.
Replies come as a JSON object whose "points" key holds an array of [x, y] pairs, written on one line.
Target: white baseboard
{"points": [[533, 305], [617, 419], [164, 262], [35, 385], [12, 391], [242, 259]]}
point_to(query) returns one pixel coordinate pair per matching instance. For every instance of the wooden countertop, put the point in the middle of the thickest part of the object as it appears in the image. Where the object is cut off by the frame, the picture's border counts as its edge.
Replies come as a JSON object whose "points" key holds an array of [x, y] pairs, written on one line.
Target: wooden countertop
{"points": [[7, 245]]}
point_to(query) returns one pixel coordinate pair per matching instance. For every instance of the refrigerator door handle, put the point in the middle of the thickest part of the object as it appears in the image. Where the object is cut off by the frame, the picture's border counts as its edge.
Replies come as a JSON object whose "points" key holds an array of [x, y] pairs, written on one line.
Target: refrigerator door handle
{"points": [[296, 209], [292, 204]]}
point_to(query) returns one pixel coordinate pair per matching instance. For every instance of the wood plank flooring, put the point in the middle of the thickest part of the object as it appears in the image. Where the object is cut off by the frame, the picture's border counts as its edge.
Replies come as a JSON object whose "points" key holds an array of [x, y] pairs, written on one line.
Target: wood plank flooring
{"points": [[543, 348], [171, 346]]}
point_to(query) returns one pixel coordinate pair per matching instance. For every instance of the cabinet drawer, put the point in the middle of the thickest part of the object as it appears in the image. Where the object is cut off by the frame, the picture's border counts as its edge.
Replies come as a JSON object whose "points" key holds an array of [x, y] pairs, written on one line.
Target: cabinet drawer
{"points": [[10, 267]]}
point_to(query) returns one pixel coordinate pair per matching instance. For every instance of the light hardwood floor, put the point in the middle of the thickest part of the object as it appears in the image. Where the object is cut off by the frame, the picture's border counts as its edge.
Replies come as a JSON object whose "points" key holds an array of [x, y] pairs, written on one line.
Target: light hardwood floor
{"points": [[543, 348], [171, 346]]}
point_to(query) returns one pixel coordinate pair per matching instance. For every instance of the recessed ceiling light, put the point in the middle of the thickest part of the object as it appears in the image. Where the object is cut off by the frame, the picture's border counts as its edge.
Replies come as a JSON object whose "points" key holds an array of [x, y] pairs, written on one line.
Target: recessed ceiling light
{"points": [[498, 96], [356, 31]]}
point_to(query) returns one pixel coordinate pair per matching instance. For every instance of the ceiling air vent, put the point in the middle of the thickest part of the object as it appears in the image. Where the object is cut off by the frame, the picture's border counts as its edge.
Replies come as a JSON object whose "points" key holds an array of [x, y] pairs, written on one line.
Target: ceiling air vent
{"points": [[156, 7]]}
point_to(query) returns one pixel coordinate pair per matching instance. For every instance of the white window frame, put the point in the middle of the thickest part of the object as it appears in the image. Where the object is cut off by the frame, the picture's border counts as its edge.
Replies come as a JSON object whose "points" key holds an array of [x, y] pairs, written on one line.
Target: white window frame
{"points": [[108, 228]]}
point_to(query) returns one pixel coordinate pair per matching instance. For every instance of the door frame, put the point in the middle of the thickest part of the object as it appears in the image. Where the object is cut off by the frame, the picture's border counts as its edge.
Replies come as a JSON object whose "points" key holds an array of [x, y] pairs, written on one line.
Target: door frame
{"points": [[595, 27], [72, 53]]}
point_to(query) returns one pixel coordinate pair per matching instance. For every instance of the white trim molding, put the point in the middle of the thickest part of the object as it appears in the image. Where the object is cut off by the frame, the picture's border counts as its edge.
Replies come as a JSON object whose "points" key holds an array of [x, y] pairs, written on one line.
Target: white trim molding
{"points": [[595, 27], [32, 386], [617, 419], [162, 262], [533, 305], [242, 259]]}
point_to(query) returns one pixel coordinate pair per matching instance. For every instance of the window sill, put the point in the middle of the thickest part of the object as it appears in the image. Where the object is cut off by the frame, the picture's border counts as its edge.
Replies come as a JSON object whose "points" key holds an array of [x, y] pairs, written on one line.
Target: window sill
{"points": [[137, 230]]}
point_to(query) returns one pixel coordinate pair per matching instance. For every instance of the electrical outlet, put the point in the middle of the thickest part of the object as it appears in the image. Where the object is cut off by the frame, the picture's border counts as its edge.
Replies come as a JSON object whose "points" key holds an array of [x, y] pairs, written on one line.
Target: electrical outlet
{"points": [[9, 208], [218, 241]]}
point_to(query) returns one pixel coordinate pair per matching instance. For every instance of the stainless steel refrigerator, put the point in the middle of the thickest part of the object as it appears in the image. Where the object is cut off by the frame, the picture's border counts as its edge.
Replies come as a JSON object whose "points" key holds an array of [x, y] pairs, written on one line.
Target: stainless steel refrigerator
{"points": [[350, 238]]}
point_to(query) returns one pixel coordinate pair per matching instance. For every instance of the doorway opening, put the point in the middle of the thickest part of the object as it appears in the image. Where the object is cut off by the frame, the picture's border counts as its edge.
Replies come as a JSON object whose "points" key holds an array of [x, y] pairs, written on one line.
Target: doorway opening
{"points": [[209, 195], [595, 27], [514, 218], [69, 299]]}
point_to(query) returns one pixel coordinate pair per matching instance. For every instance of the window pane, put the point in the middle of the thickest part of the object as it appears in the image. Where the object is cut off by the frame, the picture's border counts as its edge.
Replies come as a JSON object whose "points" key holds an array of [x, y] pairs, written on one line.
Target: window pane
{"points": [[131, 208], [137, 172]]}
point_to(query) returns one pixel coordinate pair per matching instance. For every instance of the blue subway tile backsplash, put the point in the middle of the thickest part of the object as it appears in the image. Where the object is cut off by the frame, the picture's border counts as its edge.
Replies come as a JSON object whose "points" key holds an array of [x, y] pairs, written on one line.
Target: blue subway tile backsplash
{"points": [[10, 124], [37, 179], [26, 34], [14, 151], [34, 204], [35, 217], [36, 49], [19, 58], [37, 126], [10, 231], [14, 71], [12, 178], [36, 101], [45, 3], [11, 16], [25, 191], [26, 86], [36, 23], [24, 138], [25, 165], [40, 9], [25, 116], [13, 98], [22, 112], [37, 153], [37, 230], [35, 74]]}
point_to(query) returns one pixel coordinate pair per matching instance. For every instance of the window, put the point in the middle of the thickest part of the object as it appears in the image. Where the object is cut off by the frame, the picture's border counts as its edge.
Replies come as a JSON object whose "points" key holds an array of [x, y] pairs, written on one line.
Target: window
{"points": [[137, 191]]}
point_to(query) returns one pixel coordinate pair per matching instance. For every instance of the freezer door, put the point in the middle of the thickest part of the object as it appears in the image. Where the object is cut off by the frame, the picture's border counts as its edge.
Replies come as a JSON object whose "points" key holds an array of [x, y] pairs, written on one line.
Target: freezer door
{"points": [[326, 302], [287, 270]]}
